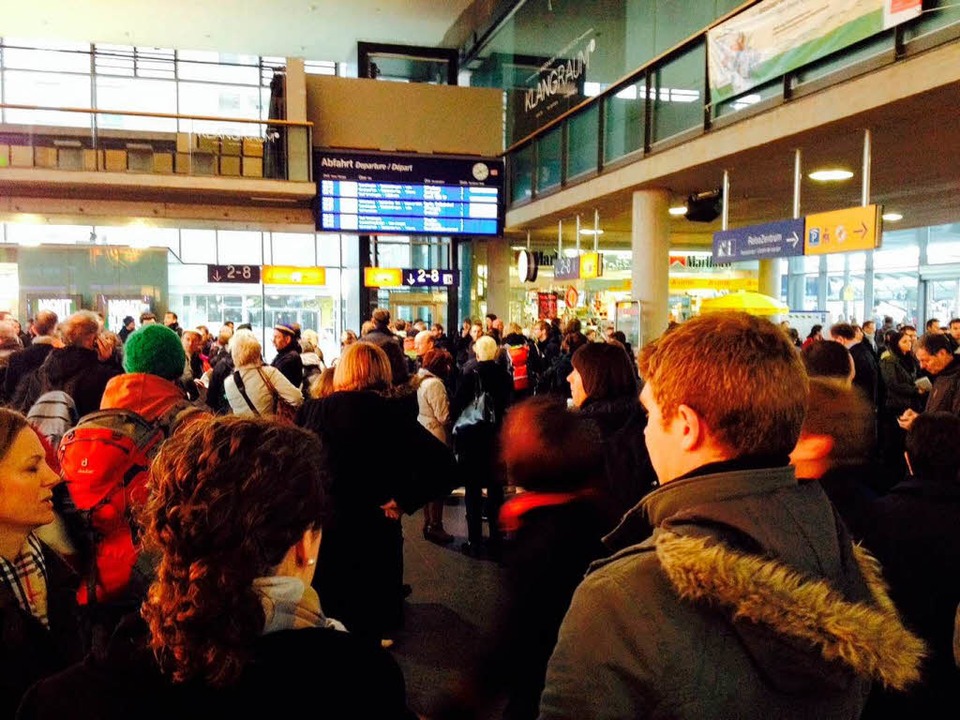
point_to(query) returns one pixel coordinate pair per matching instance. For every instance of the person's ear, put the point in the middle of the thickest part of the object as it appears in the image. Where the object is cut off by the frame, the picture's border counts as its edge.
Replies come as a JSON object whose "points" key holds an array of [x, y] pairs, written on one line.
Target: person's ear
{"points": [[693, 430], [306, 548]]}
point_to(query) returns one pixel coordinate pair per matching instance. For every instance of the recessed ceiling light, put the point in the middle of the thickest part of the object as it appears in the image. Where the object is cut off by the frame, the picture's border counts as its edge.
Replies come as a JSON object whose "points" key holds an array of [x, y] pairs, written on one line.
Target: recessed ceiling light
{"points": [[678, 210], [892, 216], [830, 175], [590, 231]]}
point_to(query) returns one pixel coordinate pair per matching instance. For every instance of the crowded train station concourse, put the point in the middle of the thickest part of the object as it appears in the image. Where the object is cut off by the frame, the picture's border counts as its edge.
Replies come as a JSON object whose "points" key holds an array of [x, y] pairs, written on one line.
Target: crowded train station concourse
{"points": [[557, 359]]}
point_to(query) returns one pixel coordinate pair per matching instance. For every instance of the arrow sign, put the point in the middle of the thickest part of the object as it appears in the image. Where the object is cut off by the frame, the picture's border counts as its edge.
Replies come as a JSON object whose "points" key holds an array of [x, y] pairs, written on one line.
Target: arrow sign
{"points": [[233, 274], [421, 277], [759, 242], [827, 232]]}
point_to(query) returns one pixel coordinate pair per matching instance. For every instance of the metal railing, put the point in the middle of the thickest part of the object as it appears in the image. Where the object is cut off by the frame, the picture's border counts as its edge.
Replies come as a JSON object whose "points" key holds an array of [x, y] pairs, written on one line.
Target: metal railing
{"points": [[126, 141]]}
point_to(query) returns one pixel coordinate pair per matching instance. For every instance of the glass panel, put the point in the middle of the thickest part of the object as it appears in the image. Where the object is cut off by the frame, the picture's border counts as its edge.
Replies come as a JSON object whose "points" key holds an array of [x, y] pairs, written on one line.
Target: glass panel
{"points": [[583, 138], [852, 55], [198, 246], [520, 166], [944, 244], [34, 88], [220, 101], [895, 294], [677, 89], [328, 251], [116, 93], [548, 167], [239, 247], [943, 300], [294, 249], [31, 235], [50, 60], [624, 122], [748, 100], [936, 14], [234, 74]]}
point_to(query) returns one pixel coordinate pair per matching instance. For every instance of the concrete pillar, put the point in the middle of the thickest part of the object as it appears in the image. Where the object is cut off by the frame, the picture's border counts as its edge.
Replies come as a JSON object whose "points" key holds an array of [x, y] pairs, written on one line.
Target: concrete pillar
{"points": [[299, 151], [499, 259], [650, 241], [795, 283], [769, 278]]}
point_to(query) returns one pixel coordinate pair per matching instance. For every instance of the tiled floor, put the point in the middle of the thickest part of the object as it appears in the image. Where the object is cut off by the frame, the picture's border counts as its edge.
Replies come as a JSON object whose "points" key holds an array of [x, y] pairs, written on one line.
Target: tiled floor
{"points": [[453, 602]]}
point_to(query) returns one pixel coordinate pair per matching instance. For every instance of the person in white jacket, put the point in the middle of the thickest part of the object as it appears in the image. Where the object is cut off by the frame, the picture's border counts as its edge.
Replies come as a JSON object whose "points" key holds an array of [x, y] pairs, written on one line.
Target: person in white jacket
{"points": [[256, 379], [434, 415]]}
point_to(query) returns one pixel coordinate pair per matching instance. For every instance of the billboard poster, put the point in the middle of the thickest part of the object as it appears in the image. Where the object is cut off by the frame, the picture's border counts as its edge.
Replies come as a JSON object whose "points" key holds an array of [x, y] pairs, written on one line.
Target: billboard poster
{"points": [[775, 37]]}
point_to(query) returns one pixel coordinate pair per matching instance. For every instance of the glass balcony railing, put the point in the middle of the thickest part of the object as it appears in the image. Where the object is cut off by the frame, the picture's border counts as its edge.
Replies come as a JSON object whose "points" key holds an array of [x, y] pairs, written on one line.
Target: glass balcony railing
{"points": [[110, 141], [667, 101]]}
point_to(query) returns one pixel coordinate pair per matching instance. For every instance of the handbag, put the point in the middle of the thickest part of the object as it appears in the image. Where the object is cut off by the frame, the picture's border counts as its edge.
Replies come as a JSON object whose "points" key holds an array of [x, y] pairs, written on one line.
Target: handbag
{"points": [[284, 411], [481, 412]]}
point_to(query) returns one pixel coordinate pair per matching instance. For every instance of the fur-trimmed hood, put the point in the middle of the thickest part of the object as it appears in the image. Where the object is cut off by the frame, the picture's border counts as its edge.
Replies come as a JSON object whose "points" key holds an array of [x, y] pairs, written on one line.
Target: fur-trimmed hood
{"points": [[781, 615], [810, 608]]}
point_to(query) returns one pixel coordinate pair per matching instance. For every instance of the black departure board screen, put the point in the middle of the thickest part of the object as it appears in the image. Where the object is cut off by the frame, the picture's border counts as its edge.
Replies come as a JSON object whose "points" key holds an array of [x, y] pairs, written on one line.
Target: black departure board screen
{"points": [[408, 194]]}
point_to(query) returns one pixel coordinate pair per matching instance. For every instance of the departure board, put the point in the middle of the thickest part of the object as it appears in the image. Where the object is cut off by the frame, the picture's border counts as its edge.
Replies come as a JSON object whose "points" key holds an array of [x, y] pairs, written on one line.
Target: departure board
{"points": [[408, 194]]}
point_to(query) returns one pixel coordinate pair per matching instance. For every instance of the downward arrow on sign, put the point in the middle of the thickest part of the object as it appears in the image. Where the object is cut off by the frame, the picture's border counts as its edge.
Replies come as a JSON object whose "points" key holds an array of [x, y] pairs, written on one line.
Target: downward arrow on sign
{"points": [[411, 279], [216, 276]]}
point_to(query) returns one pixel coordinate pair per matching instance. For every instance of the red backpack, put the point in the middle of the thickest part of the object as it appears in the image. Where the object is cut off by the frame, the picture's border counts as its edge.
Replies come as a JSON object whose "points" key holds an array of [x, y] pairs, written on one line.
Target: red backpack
{"points": [[518, 359], [104, 461]]}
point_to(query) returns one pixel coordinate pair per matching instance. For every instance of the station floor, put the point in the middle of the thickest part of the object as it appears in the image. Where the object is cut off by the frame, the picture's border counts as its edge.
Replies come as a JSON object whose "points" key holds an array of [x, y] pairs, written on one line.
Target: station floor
{"points": [[452, 605]]}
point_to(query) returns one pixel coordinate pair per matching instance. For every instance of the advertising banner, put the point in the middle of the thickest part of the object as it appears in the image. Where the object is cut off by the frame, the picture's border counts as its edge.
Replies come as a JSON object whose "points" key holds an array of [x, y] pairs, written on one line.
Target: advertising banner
{"points": [[777, 36]]}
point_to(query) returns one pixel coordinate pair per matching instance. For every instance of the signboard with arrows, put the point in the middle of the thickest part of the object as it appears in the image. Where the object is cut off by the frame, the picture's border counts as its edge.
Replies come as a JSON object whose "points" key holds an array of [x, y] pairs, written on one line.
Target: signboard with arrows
{"points": [[233, 274], [837, 231], [418, 277]]}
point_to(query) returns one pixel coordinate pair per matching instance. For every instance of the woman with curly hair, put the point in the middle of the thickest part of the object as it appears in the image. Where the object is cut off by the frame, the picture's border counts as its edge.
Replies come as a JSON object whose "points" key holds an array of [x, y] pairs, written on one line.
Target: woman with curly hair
{"points": [[231, 625]]}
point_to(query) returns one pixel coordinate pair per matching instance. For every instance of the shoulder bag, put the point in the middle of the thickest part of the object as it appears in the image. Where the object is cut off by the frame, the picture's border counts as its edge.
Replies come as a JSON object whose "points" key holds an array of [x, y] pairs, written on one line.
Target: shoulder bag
{"points": [[284, 411], [481, 412]]}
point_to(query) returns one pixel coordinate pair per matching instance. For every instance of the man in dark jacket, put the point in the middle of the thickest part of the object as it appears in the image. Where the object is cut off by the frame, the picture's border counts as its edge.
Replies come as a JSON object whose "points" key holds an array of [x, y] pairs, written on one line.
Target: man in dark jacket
{"points": [[865, 365], [26, 361], [731, 607], [74, 369], [936, 358], [288, 360], [381, 329]]}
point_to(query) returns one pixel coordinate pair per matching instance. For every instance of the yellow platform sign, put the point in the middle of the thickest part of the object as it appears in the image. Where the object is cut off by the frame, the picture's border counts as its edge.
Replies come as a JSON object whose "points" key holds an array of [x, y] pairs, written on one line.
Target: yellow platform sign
{"points": [[591, 265], [840, 231], [292, 275], [382, 277]]}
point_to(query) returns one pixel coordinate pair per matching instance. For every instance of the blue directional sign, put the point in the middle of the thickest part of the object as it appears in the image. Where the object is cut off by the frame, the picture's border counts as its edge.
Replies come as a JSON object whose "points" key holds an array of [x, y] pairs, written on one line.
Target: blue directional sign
{"points": [[783, 238], [418, 277]]}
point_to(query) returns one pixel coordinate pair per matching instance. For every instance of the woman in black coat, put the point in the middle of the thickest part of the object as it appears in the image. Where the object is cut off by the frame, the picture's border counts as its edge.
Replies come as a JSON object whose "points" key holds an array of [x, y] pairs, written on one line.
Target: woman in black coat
{"points": [[36, 638], [604, 389], [231, 627], [360, 572], [898, 372], [477, 446]]}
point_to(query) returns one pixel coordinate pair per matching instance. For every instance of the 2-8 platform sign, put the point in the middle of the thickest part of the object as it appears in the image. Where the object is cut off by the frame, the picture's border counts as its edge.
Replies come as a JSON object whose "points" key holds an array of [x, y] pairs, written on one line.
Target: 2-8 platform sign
{"points": [[418, 277], [233, 274]]}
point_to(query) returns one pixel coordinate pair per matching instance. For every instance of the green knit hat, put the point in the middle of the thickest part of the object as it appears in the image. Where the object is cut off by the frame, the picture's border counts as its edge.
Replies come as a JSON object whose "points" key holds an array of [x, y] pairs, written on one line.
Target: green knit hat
{"points": [[154, 349]]}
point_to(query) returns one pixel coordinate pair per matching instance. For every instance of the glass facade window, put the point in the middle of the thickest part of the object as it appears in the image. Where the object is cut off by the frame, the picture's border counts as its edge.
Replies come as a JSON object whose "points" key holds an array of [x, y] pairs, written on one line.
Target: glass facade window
{"points": [[624, 121], [583, 142], [520, 168], [548, 160], [137, 94], [677, 94]]}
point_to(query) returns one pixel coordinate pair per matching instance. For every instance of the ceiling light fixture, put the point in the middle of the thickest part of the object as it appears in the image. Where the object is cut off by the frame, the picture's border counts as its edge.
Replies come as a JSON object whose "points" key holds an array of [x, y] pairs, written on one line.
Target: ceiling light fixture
{"points": [[830, 175], [892, 216], [590, 231], [678, 210]]}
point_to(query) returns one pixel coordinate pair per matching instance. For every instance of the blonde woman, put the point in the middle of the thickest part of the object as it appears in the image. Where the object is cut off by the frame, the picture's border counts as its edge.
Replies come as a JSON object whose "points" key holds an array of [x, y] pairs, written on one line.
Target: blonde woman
{"points": [[254, 388]]}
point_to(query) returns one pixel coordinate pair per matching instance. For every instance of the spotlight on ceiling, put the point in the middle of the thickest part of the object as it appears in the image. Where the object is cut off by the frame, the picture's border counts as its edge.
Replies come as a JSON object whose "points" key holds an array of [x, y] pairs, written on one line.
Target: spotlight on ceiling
{"points": [[830, 175], [892, 217], [678, 210], [705, 206], [590, 231]]}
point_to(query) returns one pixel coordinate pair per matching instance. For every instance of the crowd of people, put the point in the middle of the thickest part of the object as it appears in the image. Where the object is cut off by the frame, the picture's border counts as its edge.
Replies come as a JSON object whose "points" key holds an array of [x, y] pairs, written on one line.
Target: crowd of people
{"points": [[729, 523]]}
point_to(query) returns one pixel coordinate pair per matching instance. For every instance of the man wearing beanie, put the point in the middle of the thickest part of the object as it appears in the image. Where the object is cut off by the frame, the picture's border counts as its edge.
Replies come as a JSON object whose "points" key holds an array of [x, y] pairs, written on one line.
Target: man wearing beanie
{"points": [[288, 360], [153, 357]]}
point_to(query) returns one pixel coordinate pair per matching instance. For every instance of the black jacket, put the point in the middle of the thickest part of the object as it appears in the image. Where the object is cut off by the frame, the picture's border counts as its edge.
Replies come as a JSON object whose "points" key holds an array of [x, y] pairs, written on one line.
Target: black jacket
{"points": [[945, 394], [28, 652], [865, 370], [359, 570], [22, 363], [335, 674], [75, 370], [289, 364]]}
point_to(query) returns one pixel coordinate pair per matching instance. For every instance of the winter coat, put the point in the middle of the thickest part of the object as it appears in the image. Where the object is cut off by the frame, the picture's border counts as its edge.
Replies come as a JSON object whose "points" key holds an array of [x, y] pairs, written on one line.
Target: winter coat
{"points": [[359, 569], [945, 395], [216, 396], [150, 396], [24, 362], [628, 472], [341, 675], [433, 405], [75, 370], [913, 532], [257, 390], [730, 609], [478, 451], [899, 378], [865, 370], [28, 651], [288, 362]]}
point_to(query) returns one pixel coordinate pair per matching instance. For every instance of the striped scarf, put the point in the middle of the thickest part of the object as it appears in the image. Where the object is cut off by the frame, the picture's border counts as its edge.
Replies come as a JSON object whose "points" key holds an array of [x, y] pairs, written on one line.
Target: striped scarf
{"points": [[26, 576]]}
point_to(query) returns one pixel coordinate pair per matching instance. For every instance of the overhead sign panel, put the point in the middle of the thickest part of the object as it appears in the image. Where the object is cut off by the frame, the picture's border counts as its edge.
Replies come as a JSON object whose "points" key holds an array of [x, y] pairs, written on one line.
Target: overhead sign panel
{"points": [[419, 277], [566, 268], [591, 265], [382, 277], [291, 275], [845, 230], [383, 193], [783, 238], [233, 273]]}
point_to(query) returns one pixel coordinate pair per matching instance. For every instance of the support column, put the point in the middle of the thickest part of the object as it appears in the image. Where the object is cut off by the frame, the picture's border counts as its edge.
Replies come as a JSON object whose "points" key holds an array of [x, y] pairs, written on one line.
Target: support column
{"points": [[650, 241], [499, 257], [796, 283], [298, 143], [769, 278]]}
